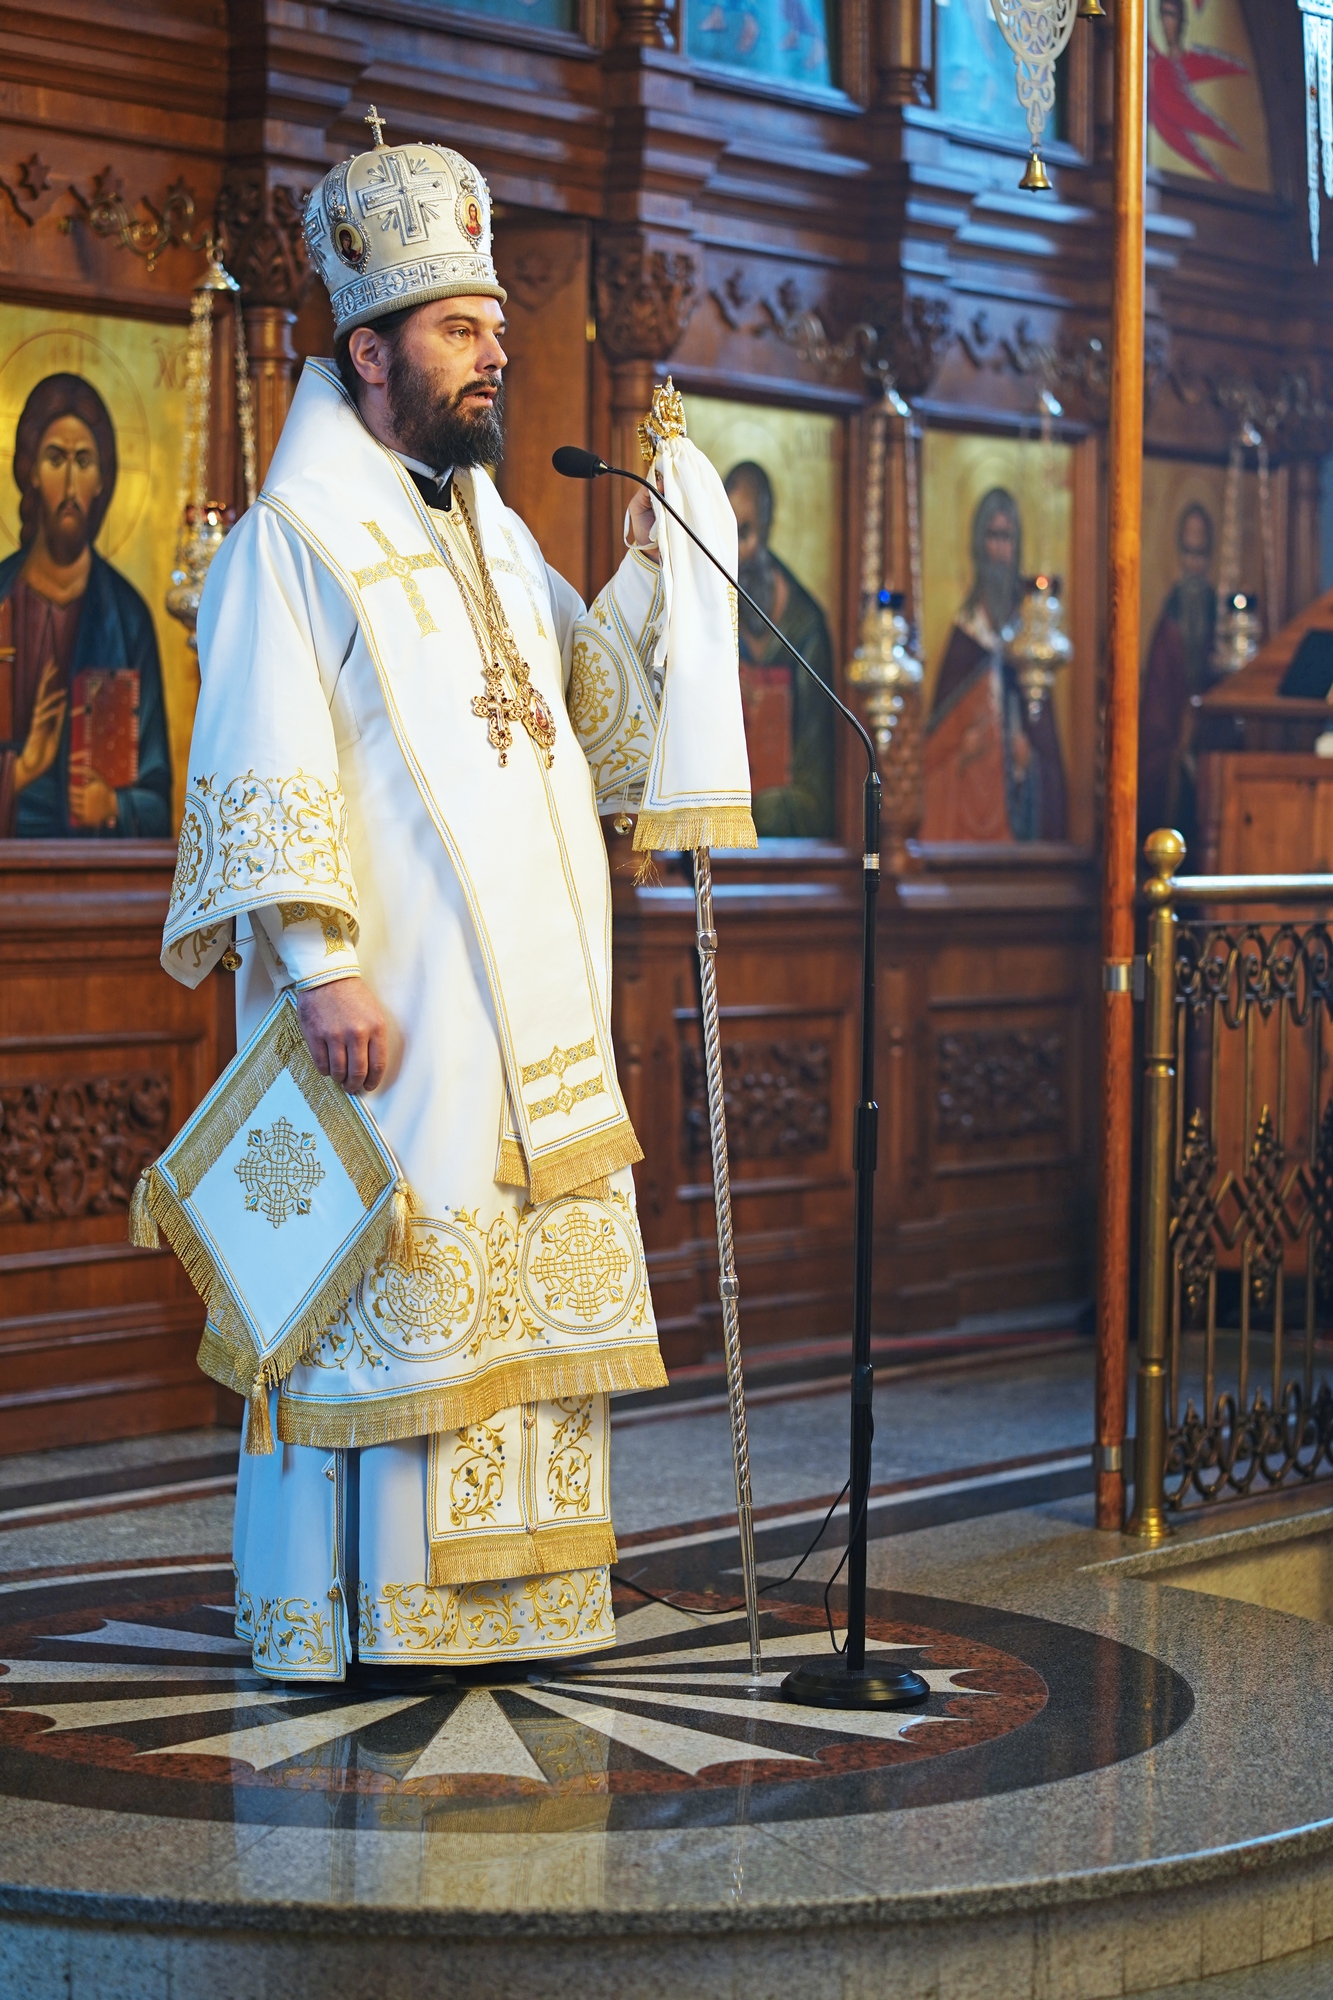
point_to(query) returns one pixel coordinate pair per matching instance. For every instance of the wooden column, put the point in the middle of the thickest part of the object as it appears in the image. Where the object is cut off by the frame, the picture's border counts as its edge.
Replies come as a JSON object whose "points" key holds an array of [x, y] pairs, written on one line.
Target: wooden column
{"points": [[268, 335], [903, 59], [259, 217], [1304, 553], [1122, 749]]}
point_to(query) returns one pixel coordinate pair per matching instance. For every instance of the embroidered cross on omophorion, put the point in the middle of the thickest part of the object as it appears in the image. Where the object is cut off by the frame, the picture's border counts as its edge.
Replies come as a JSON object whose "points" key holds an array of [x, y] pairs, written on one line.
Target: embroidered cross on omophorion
{"points": [[280, 1172], [401, 569]]}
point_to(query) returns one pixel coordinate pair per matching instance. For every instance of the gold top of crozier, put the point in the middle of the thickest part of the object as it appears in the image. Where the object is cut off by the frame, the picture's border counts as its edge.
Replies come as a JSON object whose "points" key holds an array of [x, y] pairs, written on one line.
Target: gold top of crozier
{"points": [[665, 419]]}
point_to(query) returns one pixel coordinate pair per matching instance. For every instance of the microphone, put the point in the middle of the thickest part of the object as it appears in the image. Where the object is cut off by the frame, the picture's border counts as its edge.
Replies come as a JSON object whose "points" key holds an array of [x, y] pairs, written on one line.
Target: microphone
{"points": [[572, 462]]}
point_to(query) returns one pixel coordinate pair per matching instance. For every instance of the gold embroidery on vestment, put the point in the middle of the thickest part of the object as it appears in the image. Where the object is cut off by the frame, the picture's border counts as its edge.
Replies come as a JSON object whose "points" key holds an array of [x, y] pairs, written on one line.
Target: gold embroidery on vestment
{"points": [[559, 1061], [280, 1172], [567, 1097], [581, 1264], [569, 1468], [476, 1482], [556, 1064], [292, 1632], [329, 921], [512, 1615], [236, 837]]}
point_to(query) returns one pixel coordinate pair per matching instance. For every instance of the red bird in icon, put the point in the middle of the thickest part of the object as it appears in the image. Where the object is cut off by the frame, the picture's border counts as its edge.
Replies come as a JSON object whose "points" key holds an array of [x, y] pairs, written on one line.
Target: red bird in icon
{"points": [[1174, 109]]}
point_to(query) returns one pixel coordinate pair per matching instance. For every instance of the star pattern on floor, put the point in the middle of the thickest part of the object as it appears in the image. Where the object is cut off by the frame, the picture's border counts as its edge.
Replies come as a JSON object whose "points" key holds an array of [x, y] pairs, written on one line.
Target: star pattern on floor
{"points": [[675, 1697]]}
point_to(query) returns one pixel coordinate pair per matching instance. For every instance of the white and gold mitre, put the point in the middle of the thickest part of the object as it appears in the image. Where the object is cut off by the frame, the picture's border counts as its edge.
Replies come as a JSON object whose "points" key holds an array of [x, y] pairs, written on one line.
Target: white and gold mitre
{"points": [[399, 226]]}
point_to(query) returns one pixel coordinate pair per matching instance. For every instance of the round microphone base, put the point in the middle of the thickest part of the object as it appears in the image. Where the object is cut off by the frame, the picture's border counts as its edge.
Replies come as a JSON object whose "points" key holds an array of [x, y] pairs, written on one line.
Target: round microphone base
{"points": [[833, 1684]]}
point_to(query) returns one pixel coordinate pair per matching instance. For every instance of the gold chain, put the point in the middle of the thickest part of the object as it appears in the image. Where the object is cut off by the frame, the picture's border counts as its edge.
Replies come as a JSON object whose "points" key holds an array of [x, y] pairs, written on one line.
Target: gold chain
{"points": [[499, 657]]}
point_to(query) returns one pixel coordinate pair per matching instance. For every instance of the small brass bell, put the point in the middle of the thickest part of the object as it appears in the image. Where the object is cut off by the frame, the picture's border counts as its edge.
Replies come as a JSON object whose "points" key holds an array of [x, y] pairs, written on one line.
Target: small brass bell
{"points": [[1035, 178], [1091, 10]]}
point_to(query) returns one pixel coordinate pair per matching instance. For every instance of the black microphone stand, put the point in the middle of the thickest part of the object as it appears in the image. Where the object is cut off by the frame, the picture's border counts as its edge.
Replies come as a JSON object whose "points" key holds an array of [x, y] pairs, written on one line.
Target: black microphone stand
{"points": [[844, 1681]]}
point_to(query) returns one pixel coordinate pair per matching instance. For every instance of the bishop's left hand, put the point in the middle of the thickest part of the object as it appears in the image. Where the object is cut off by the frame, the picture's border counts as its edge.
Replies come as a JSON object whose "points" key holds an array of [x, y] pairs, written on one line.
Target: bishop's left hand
{"points": [[345, 1032]]}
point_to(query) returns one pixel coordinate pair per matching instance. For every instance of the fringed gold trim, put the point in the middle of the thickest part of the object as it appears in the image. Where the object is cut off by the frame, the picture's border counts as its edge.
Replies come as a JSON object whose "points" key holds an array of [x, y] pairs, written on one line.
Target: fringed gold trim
{"points": [[258, 1429], [213, 1288], [598, 1190], [192, 1157], [361, 1159], [522, 1553], [144, 1232], [218, 1360], [699, 826], [582, 1161], [511, 1169], [646, 875], [341, 1425]]}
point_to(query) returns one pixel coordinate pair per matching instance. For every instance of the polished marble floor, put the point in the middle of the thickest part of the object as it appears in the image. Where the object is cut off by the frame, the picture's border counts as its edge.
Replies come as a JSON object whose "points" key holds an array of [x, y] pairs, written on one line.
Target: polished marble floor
{"points": [[1112, 1787]]}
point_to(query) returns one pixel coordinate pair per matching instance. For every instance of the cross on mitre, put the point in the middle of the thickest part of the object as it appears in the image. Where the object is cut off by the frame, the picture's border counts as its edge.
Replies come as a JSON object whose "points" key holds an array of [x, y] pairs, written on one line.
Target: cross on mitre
{"points": [[376, 124], [391, 194]]}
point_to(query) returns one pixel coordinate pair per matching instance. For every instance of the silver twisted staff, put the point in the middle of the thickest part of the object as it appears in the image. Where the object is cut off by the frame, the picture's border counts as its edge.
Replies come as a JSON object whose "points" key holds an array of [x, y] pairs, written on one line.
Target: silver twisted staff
{"points": [[727, 1287]]}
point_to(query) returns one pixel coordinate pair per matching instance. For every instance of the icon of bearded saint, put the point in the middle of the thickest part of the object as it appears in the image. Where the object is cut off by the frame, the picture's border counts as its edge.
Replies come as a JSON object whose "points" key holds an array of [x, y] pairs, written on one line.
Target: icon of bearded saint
{"points": [[1175, 111], [67, 618]]}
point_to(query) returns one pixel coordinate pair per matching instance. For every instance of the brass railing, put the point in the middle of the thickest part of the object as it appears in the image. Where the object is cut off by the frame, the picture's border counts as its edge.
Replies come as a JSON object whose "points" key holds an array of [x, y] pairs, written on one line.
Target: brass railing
{"points": [[1236, 1241]]}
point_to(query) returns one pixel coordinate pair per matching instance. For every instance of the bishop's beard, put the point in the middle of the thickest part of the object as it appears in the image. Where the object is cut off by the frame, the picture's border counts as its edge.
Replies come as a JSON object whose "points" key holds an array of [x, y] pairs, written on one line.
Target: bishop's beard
{"points": [[435, 428]]}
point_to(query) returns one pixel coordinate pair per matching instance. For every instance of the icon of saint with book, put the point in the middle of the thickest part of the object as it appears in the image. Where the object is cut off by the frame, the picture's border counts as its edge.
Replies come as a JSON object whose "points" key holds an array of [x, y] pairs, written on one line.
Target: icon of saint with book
{"points": [[788, 723], [83, 725]]}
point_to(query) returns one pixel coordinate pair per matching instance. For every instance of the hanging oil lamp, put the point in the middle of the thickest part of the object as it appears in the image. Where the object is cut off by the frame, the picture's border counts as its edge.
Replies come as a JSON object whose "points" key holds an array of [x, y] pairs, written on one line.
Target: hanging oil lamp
{"points": [[885, 666], [204, 520], [1239, 632], [1039, 647]]}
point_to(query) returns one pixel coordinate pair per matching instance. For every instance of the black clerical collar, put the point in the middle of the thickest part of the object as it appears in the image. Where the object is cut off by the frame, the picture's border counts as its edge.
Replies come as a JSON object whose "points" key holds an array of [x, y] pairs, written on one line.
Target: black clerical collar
{"points": [[436, 492]]}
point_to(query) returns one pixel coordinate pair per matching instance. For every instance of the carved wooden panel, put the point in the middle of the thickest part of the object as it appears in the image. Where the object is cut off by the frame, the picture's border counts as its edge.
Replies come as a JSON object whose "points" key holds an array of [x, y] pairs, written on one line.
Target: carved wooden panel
{"points": [[76, 1146], [999, 1083], [776, 1094], [102, 1057]]}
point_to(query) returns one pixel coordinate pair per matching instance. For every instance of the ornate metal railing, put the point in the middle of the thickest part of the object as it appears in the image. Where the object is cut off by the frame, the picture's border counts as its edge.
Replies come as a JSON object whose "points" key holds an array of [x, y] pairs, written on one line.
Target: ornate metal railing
{"points": [[1236, 1244]]}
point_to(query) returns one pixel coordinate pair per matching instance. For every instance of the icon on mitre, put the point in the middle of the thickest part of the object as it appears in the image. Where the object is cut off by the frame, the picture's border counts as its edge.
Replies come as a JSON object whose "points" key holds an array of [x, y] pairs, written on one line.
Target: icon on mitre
{"points": [[278, 1195]]}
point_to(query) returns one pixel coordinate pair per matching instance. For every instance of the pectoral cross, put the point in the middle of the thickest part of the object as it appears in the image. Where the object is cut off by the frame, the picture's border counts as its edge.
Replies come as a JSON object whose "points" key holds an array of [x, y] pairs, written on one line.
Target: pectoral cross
{"points": [[376, 124], [498, 710], [401, 569]]}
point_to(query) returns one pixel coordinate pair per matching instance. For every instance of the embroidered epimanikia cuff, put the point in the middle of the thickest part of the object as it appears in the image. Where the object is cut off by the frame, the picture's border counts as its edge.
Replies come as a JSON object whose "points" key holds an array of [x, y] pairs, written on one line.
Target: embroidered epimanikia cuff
{"points": [[311, 941]]}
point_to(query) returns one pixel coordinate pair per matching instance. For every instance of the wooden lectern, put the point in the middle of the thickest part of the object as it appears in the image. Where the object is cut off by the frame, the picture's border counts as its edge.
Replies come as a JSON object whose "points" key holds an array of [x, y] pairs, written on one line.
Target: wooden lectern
{"points": [[1265, 798]]}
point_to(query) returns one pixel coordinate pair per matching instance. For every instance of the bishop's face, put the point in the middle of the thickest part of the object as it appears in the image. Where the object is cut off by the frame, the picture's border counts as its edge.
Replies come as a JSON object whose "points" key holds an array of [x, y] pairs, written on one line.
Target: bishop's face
{"points": [[68, 478]]}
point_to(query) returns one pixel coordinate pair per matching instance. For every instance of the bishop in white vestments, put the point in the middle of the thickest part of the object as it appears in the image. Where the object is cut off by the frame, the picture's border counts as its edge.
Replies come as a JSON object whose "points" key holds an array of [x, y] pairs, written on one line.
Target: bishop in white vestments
{"points": [[406, 724]]}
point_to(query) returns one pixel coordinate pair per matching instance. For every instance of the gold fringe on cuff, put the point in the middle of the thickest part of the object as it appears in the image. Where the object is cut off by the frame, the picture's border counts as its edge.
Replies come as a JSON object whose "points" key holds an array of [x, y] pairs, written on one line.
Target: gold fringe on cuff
{"points": [[573, 1167], [598, 1190], [511, 1169], [699, 826], [339, 1424], [522, 1553]]}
